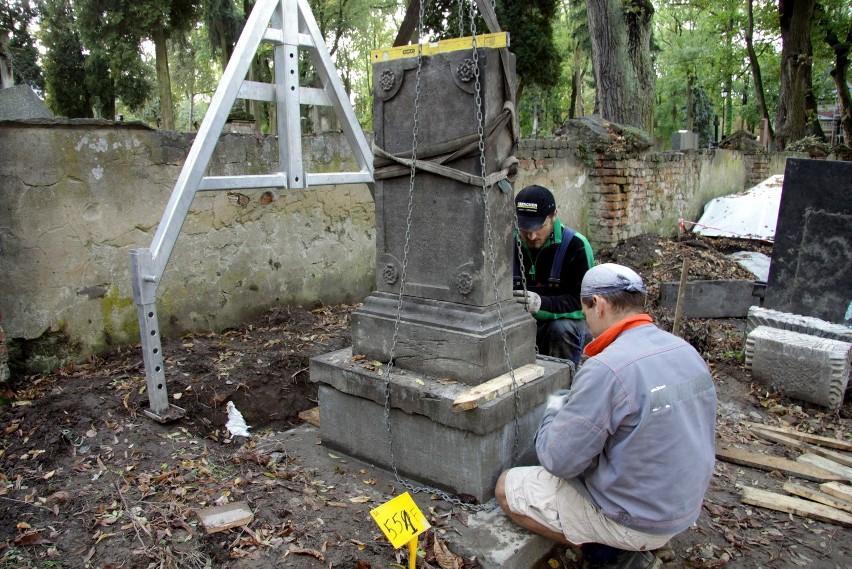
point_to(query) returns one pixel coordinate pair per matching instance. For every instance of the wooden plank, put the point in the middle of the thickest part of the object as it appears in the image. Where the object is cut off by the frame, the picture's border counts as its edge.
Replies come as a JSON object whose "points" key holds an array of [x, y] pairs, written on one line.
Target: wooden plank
{"points": [[825, 464], [221, 518], [813, 439], [776, 437], [311, 416], [782, 503], [816, 496], [838, 490], [770, 463], [493, 388]]}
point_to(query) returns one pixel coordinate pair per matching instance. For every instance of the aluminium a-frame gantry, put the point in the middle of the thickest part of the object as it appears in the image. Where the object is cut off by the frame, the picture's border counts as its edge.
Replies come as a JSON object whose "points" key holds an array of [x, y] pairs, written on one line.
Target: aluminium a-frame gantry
{"points": [[288, 25]]}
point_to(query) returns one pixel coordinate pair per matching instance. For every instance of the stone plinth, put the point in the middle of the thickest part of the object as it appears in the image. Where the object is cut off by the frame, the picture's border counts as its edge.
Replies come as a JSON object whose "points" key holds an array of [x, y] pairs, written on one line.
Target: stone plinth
{"points": [[444, 339], [461, 452]]}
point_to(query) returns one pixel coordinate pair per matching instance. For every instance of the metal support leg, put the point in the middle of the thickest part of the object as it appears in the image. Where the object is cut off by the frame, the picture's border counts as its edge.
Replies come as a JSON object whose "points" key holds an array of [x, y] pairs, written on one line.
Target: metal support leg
{"points": [[144, 293]]}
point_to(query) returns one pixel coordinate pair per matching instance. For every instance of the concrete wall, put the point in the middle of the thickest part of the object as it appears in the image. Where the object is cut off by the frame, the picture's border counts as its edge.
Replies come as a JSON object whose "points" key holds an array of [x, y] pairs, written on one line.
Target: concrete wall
{"points": [[77, 196]]}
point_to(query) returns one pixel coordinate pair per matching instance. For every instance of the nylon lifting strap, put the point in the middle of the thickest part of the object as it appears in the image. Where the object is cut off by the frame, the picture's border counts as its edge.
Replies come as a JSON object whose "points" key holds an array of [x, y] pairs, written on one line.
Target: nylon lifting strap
{"points": [[558, 260]]}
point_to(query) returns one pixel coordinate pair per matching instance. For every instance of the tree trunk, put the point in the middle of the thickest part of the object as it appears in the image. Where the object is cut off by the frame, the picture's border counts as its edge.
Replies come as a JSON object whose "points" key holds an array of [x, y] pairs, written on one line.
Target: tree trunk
{"points": [[839, 74], [796, 18], [621, 54], [576, 110], [754, 65], [164, 83], [7, 79]]}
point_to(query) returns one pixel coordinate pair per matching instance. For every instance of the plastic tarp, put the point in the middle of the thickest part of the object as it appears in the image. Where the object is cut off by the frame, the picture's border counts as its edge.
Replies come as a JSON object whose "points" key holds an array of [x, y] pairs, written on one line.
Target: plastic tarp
{"points": [[751, 214]]}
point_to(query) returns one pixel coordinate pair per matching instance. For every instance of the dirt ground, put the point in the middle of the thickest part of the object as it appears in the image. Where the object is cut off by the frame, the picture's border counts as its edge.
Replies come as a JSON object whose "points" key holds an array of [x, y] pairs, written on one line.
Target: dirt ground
{"points": [[86, 480]]}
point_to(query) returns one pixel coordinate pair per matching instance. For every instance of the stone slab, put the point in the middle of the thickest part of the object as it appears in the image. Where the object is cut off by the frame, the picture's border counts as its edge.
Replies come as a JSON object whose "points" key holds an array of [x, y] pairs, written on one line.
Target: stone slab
{"points": [[811, 269], [499, 543], [711, 299], [759, 316], [800, 365]]}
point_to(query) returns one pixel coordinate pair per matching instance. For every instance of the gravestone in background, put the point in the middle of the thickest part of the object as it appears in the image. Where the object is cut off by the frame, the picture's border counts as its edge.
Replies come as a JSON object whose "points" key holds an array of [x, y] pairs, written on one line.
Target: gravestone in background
{"points": [[811, 269]]}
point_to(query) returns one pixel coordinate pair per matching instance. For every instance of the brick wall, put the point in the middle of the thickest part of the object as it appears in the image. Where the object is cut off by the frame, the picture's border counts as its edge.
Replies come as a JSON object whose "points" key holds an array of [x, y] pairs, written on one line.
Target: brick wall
{"points": [[613, 195]]}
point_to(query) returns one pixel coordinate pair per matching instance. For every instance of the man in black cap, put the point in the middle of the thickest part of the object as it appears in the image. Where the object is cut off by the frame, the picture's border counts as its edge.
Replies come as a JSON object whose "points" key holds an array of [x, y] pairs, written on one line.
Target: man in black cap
{"points": [[555, 258]]}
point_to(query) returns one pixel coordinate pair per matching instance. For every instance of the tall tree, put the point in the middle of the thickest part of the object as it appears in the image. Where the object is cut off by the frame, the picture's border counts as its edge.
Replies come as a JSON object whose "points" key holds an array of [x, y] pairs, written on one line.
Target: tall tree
{"points": [[530, 27], [620, 31], [118, 28], [754, 65], [18, 52], [64, 62], [796, 19], [223, 21]]}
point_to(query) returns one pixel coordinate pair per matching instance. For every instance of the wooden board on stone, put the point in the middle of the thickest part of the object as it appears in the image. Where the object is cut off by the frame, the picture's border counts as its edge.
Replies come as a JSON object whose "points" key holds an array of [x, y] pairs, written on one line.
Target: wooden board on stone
{"points": [[805, 508], [493, 388], [838, 490], [817, 496], [770, 463], [221, 518], [311, 416], [807, 437]]}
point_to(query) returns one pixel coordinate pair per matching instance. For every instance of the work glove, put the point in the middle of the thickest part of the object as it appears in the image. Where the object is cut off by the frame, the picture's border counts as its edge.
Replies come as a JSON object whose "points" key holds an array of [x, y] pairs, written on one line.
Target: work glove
{"points": [[555, 402], [530, 300]]}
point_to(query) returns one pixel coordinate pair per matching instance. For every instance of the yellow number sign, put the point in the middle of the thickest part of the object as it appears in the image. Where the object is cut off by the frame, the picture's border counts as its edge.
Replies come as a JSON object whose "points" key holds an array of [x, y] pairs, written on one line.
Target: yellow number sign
{"points": [[400, 520]]}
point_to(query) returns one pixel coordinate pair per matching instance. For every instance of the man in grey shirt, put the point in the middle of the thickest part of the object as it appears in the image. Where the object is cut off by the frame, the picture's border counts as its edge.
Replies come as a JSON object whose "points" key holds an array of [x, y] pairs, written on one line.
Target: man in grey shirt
{"points": [[627, 453]]}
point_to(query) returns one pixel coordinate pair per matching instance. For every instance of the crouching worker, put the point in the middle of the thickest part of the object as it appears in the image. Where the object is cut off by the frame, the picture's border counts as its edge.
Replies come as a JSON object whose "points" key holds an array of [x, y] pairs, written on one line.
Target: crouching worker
{"points": [[627, 453]]}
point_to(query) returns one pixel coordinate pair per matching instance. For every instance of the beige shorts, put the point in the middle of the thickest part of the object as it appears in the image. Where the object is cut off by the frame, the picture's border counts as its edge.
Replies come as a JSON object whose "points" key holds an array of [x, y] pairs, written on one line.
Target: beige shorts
{"points": [[535, 493]]}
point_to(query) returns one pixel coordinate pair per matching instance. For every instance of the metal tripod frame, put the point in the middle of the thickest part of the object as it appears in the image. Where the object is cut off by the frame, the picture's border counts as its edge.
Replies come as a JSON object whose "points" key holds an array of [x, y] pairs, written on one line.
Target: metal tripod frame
{"points": [[288, 25]]}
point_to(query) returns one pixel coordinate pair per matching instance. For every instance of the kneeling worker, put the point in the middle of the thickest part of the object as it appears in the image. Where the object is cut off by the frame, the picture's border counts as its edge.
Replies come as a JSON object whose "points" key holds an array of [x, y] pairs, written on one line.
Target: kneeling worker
{"points": [[555, 258], [627, 453]]}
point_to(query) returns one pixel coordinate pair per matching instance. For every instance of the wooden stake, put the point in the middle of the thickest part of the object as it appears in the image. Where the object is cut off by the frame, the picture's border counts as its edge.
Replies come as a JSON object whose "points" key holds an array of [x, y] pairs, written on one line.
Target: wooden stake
{"points": [[681, 293]]}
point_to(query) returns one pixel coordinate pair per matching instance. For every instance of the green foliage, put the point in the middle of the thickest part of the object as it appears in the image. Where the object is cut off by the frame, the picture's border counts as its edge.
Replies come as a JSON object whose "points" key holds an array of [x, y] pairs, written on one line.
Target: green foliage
{"points": [[530, 27], [65, 64], [16, 17], [813, 145]]}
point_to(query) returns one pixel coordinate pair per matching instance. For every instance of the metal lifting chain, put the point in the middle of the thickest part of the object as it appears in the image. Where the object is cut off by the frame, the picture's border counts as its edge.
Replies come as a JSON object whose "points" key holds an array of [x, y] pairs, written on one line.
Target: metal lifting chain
{"points": [[480, 122], [491, 504], [412, 488]]}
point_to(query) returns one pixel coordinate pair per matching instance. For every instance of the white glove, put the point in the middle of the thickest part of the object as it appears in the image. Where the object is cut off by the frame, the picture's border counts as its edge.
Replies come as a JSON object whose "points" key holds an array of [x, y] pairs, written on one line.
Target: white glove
{"points": [[557, 399], [531, 301]]}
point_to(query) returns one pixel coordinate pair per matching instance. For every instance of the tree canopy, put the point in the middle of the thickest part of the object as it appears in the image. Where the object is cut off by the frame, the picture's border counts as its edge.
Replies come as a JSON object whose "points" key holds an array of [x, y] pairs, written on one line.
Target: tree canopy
{"points": [[713, 66]]}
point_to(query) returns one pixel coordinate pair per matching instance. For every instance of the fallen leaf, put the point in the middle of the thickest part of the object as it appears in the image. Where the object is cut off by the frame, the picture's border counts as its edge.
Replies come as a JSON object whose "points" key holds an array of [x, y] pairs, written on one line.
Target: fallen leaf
{"points": [[446, 558], [304, 551], [29, 538], [360, 499]]}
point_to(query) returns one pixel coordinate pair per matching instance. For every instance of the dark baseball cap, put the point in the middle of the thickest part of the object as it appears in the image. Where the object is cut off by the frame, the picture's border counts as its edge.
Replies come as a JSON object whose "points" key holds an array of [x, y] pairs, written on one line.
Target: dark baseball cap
{"points": [[534, 204]]}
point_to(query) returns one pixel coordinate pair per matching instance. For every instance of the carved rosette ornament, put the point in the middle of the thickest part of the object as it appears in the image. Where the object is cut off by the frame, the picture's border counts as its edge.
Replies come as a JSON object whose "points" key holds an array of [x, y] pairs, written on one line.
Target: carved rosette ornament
{"points": [[466, 70], [387, 80], [390, 274], [464, 282]]}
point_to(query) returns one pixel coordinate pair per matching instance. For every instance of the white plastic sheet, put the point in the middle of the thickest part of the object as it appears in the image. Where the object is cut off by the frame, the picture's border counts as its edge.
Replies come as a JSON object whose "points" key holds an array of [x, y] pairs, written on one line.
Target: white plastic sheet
{"points": [[751, 214]]}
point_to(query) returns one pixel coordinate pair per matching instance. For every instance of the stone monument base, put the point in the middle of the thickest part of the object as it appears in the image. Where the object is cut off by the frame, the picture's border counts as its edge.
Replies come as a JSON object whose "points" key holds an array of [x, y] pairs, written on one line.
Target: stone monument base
{"points": [[444, 339], [460, 452]]}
